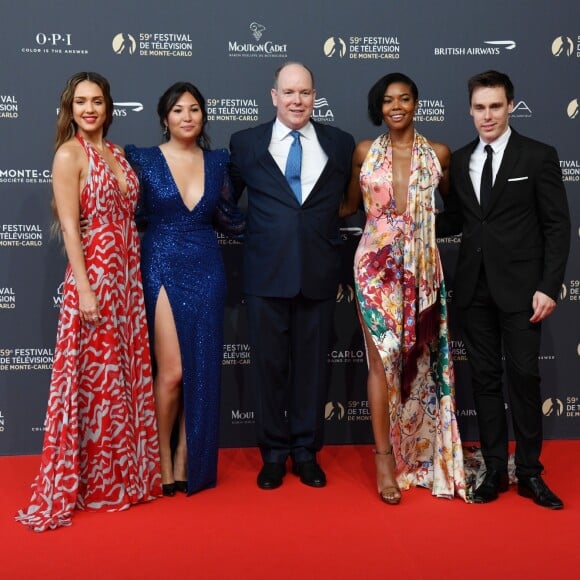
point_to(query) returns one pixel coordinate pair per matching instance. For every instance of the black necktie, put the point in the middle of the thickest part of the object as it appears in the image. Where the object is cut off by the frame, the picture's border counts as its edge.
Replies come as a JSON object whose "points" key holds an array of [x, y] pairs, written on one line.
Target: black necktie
{"points": [[486, 179]]}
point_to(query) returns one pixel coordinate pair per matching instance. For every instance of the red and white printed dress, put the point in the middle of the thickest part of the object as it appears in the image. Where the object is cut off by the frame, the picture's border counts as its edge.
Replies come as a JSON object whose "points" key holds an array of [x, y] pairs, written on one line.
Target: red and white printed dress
{"points": [[100, 447]]}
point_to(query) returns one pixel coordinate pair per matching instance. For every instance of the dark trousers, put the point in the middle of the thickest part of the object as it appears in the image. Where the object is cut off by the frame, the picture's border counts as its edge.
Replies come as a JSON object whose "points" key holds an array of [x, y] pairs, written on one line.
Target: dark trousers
{"points": [[290, 339], [486, 328]]}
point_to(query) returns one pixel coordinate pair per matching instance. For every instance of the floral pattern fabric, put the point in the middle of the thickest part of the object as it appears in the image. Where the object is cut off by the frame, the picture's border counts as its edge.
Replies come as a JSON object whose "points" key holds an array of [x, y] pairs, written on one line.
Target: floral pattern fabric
{"points": [[402, 301]]}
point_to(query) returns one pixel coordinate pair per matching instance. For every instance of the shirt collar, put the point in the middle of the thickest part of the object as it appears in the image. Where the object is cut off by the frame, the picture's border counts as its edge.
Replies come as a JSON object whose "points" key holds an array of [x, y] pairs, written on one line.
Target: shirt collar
{"points": [[280, 130]]}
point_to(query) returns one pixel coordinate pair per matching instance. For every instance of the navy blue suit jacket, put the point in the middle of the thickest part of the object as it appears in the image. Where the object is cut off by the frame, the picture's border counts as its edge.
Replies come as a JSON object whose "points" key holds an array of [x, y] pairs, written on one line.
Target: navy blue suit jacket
{"points": [[290, 248]]}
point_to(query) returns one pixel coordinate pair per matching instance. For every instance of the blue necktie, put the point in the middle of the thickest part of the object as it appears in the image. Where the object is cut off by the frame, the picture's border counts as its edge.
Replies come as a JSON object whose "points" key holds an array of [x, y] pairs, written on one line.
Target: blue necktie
{"points": [[294, 166]]}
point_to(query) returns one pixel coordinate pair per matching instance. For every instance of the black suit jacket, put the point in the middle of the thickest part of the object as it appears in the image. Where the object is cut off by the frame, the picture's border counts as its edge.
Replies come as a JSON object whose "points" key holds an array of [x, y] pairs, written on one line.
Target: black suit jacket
{"points": [[290, 248], [523, 237]]}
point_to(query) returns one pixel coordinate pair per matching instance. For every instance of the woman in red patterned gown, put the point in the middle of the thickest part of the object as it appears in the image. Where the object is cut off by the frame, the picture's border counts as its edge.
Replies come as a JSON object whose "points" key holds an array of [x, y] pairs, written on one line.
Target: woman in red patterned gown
{"points": [[100, 446]]}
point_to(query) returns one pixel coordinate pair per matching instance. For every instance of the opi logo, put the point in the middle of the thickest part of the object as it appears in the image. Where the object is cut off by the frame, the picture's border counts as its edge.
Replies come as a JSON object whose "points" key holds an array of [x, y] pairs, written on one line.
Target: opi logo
{"points": [[53, 39]]}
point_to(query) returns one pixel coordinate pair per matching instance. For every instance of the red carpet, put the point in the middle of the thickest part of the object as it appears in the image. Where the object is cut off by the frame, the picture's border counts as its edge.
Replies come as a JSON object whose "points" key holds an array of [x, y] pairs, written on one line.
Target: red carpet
{"points": [[341, 531]]}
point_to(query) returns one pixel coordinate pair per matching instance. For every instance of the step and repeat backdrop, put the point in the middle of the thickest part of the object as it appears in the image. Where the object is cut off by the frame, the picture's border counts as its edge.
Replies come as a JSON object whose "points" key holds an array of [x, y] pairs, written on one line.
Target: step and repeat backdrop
{"points": [[230, 50]]}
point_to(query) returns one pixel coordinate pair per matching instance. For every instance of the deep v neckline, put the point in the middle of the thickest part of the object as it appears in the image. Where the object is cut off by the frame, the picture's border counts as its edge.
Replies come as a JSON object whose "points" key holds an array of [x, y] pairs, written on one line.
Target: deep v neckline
{"points": [[389, 145], [110, 147], [168, 169]]}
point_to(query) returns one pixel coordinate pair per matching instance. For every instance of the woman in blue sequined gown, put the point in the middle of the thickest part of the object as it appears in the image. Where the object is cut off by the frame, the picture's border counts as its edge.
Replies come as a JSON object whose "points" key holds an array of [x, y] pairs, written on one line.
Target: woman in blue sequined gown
{"points": [[185, 194]]}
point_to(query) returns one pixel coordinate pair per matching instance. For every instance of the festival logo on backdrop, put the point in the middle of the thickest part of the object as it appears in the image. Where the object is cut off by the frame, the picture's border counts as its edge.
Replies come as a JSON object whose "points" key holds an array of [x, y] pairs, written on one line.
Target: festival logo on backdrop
{"points": [[552, 407], [573, 108], [334, 47], [20, 235], [236, 354], [570, 292], [334, 411], [224, 240], [345, 293], [54, 43], [570, 169], [26, 359], [8, 107], [363, 47], [487, 48], [458, 350], [430, 111], [7, 298], [572, 406], [358, 411], [124, 43], [2, 422], [563, 407], [565, 46], [449, 240], [170, 44], [258, 49], [232, 109], [346, 356]]}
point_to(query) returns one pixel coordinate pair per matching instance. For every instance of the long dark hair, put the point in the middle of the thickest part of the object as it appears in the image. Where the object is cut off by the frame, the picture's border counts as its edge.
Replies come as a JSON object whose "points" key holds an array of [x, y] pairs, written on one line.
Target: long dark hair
{"points": [[167, 102]]}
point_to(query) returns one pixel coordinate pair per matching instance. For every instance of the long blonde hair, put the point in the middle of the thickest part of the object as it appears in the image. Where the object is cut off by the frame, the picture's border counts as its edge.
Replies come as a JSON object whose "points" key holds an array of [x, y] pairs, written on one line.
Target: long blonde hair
{"points": [[66, 127]]}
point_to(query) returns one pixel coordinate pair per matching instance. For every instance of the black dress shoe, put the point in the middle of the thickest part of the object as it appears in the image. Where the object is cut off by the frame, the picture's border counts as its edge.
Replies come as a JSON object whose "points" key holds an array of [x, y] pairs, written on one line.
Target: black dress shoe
{"points": [[270, 476], [535, 488], [181, 486], [310, 473], [494, 483], [168, 489]]}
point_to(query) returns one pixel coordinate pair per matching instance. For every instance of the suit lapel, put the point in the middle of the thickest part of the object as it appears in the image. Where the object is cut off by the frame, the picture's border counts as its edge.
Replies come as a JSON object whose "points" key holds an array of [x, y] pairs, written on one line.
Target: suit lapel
{"points": [[329, 148]]}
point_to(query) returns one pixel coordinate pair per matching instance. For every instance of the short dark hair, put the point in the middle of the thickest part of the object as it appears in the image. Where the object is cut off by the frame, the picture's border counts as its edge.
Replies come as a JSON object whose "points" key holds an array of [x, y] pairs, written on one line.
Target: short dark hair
{"points": [[377, 93], [171, 96], [489, 79]]}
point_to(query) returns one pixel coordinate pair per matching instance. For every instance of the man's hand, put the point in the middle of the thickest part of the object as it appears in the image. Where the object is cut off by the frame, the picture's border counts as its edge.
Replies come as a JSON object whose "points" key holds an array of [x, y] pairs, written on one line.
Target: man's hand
{"points": [[543, 306]]}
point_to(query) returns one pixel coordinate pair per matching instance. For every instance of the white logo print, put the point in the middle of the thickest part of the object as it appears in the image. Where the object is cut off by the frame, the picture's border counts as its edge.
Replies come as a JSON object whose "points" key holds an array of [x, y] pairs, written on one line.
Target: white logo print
{"points": [[507, 44], [257, 30]]}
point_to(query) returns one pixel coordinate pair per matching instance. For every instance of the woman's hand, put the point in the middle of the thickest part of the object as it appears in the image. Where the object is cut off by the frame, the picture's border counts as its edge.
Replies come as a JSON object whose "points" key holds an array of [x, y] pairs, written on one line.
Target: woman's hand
{"points": [[89, 307]]}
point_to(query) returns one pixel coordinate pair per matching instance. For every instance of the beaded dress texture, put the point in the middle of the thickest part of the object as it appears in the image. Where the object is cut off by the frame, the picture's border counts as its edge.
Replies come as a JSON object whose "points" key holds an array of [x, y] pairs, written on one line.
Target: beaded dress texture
{"points": [[180, 252]]}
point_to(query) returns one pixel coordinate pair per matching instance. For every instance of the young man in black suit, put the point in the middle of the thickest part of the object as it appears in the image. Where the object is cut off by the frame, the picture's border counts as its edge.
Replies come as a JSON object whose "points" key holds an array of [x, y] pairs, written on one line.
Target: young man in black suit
{"points": [[296, 172], [508, 201]]}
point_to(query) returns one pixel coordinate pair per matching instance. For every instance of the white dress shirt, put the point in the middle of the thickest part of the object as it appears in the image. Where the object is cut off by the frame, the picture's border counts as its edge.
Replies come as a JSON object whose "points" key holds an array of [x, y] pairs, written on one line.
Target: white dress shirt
{"points": [[479, 156], [313, 156]]}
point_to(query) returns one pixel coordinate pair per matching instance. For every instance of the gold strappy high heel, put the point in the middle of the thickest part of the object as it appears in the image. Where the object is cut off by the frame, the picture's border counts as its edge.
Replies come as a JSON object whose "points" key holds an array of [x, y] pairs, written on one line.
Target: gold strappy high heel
{"points": [[390, 494]]}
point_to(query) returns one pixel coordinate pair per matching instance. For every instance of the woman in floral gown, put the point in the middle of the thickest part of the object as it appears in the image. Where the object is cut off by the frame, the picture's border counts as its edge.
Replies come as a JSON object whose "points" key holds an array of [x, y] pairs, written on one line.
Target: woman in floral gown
{"points": [[100, 447], [402, 300]]}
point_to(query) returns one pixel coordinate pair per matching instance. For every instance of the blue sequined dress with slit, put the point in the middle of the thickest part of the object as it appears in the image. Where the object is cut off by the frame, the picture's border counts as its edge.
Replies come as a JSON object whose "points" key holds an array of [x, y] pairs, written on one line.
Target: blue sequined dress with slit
{"points": [[180, 252]]}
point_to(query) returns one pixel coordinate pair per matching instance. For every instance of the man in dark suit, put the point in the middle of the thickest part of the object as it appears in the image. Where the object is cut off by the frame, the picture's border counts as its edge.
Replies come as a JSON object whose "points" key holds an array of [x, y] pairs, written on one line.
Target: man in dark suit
{"points": [[296, 172], [510, 205]]}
